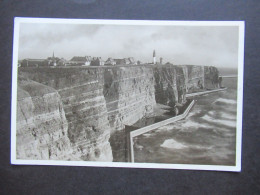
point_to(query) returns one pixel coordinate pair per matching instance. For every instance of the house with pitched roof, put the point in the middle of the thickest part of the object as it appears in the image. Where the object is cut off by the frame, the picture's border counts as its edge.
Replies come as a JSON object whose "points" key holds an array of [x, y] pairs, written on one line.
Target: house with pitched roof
{"points": [[34, 62], [80, 61], [120, 61], [97, 61], [62, 62], [110, 61], [52, 61], [125, 61], [132, 61]]}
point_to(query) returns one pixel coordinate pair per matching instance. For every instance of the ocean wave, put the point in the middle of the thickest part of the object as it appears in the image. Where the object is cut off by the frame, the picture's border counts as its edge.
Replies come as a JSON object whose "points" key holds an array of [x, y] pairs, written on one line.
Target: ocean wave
{"points": [[167, 127], [171, 143], [192, 124], [198, 147], [147, 134], [228, 116], [193, 112], [224, 115], [225, 101], [227, 123]]}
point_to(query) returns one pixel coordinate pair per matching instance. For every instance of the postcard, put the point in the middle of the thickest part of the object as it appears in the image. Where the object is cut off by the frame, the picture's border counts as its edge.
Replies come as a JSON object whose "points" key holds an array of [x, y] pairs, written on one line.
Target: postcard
{"points": [[127, 93]]}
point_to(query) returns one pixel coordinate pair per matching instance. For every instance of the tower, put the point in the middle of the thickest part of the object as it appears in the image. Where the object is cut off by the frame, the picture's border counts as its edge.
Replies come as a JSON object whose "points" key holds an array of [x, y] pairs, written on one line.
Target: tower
{"points": [[53, 60], [154, 57]]}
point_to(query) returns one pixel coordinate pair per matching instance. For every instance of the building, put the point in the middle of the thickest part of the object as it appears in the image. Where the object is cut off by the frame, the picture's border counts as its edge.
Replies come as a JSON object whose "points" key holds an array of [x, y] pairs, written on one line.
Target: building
{"points": [[138, 62], [132, 61], [80, 61], [120, 61], [62, 62], [110, 61], [154, 57], [34, 62], [161, 60], [97, 61], [125, 61], [52, 61]]}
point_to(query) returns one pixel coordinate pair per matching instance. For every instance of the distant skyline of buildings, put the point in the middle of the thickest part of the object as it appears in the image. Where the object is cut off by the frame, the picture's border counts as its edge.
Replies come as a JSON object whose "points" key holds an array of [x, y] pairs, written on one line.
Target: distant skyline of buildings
{"points": [[76, 58], [84, 61]]}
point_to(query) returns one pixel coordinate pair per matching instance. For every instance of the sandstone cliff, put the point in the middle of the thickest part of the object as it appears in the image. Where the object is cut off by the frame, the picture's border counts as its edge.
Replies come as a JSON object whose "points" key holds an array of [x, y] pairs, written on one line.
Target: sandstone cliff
{"points": [[129, 94], [172, 83], [41, 123], [81, 94], [74, 110]]}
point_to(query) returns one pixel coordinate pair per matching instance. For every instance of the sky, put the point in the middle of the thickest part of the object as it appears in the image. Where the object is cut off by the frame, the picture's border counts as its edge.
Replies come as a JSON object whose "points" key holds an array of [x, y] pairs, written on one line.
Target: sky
{"points": [[194, 45]]}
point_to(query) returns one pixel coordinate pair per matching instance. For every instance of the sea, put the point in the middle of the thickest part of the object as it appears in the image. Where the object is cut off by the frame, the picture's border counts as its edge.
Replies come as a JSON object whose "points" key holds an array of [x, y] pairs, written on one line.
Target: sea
{"points": [[207, 136]]}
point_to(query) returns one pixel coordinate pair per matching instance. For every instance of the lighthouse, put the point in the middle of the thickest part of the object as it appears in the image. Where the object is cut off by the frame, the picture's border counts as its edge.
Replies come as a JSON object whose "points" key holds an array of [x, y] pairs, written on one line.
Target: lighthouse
{"points": [[54, 60], [154, 57]]}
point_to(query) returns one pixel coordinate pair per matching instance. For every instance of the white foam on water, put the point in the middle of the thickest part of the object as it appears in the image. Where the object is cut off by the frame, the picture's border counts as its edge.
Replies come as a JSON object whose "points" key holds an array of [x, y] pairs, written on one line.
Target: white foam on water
{"points": [[193, 124], [139, 147], [228, 116], [218, 121], [202, 147], [166, 127], [192, 113], [226, 101], [171, 143], [147, 134], [224, 115], [212, 113]]}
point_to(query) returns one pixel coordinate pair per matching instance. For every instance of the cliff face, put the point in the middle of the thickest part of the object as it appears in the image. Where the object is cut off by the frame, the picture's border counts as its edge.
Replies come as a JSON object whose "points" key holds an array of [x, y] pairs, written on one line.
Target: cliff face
{"points": [[196, 81], [41, 124], [211, 75], [169, 84], [98, 101], [172, 83], [129, 94], [70, 113], [81, 93]]}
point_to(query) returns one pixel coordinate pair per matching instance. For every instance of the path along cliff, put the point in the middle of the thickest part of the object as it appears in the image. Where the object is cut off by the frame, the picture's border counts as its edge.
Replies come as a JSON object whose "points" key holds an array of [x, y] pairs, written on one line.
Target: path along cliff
{"points": [[69, 113]]}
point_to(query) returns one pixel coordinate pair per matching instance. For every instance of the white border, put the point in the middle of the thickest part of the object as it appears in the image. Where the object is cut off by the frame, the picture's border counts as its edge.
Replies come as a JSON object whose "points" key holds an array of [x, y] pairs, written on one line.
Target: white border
{"points": [[235, 168]]}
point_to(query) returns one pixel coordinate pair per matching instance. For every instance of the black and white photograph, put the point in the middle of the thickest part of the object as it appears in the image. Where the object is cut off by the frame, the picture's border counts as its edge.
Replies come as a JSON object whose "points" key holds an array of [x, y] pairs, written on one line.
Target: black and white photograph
{"points": [[127, 93]]}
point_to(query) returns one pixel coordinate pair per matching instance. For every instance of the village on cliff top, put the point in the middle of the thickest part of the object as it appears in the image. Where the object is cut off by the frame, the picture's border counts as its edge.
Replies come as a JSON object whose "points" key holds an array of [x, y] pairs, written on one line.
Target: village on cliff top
{"points": [[83, 61]]}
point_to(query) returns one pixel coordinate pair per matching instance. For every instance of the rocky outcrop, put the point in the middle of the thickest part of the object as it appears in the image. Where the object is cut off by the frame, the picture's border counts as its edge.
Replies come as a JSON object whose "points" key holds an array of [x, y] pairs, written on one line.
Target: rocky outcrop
{"points": [[195, 77], [169, 84], [70, 113], [172, 83], [211, 75]]}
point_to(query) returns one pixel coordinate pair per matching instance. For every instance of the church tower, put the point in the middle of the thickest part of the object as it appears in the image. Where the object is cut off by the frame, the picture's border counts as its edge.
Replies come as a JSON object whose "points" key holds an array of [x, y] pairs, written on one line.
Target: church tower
{"points": [[154, 57]]}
